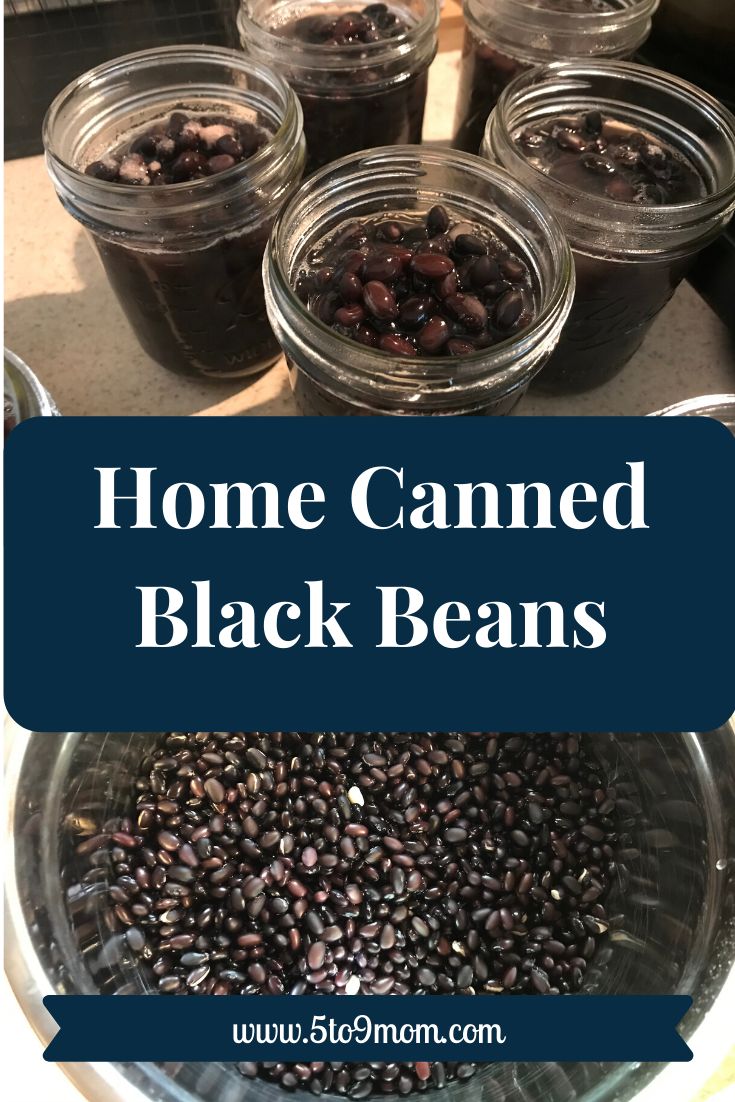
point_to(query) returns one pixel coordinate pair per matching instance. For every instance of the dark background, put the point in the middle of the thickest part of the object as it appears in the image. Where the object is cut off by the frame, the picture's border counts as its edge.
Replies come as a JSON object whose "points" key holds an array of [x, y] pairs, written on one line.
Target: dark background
{"points": [[50, 42]]}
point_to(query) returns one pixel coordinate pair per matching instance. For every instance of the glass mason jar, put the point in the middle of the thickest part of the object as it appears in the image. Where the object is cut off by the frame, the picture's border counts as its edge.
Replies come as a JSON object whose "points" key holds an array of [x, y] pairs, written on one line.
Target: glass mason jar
{"points": [[24, 395], [354, 96], [332, 374], [629, 258], [184, 259], [506, 37], [719, 406]]}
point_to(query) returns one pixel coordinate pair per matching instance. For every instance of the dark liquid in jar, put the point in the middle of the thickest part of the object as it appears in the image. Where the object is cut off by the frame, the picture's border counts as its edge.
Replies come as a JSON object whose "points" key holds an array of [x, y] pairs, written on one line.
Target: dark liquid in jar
{"points": [[615, 300]]}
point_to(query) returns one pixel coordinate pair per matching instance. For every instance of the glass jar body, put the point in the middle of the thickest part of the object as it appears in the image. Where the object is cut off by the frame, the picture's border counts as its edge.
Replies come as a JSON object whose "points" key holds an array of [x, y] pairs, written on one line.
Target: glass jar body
{"points": [[506, 37], [332, 374], [184, 260], [314, 397], [353, 97], [629, 259], [197, 312]]}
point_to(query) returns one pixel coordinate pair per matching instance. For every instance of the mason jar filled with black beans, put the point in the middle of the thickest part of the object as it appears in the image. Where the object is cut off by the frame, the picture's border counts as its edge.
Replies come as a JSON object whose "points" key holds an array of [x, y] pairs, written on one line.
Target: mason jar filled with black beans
{"points": [[639, 167], [506, 37], [412, 281], [360, 72], [176, 161]]}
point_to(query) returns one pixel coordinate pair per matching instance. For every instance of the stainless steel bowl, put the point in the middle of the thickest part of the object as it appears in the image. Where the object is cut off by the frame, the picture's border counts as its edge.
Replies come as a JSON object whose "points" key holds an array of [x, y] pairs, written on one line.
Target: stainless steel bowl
{"points": [[674, 902], [27, 395]]}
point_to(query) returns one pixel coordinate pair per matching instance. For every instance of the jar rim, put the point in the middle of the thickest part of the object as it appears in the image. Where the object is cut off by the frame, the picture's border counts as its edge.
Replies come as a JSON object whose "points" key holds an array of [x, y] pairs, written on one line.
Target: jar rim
{"points": [[362, 363], [254, 167], [560, 76], [719, 406], [347, 57], [521, 13]]}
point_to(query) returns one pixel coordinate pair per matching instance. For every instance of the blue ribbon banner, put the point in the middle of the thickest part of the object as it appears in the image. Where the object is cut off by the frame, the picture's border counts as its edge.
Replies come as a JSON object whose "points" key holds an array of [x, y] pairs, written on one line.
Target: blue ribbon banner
{"points": [[599, 1028]]}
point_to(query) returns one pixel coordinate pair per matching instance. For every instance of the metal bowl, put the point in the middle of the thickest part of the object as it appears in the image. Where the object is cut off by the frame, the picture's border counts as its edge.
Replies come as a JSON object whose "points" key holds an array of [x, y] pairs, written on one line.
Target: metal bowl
{"points": [[24, 392], [673, 902]]}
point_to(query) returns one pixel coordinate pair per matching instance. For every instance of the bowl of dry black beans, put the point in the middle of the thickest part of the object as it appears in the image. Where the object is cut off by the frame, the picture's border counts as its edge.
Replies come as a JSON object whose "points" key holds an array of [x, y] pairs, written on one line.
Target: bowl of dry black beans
{"points": [[251, 863]]}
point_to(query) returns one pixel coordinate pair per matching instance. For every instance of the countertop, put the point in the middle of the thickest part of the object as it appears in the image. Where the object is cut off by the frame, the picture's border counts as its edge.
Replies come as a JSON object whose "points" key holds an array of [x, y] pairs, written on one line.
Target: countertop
{"points": [[63, 320]]}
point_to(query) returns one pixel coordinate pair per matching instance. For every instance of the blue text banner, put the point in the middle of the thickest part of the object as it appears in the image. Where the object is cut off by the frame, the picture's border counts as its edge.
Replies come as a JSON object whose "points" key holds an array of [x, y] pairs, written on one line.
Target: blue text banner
{"points": [[369, 573]]}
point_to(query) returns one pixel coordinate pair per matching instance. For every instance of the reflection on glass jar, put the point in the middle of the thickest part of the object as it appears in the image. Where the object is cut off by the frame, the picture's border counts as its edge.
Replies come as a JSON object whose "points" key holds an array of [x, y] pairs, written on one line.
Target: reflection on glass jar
{"points": [[506, 37], [468, 348], [176, 161], [640, 188], [719, 406], [359, 72]]}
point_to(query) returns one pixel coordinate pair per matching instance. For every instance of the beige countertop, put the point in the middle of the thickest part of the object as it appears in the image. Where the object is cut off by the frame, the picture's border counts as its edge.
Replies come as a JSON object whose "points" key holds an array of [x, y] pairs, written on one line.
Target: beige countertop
{"points": [[62, 319]]}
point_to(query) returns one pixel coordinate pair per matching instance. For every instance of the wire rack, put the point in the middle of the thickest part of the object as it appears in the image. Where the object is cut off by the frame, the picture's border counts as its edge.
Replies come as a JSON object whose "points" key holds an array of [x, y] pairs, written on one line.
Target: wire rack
{"points": [[50, 42]]}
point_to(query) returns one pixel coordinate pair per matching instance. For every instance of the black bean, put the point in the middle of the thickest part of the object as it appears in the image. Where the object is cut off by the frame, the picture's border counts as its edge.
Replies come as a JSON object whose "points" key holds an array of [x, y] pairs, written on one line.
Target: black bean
{"points": [[221, 162], [593, 122], [468, 310], [395, 346], [415, 311], [458, 347], [189, 165], [256, 757], [214, 789], [379, 300], [434, 334], [509, 309], [383, 267], [566, 139], [469, 244], [465, 976], [315, 956], [437, 220], [432, 265], [135, 938], [485, 270], [350, 287]]}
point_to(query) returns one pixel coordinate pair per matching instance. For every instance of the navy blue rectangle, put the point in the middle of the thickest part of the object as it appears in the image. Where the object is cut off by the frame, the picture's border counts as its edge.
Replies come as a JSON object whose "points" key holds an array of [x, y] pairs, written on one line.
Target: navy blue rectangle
{"points": [[425, 1028], [73, 606]]}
